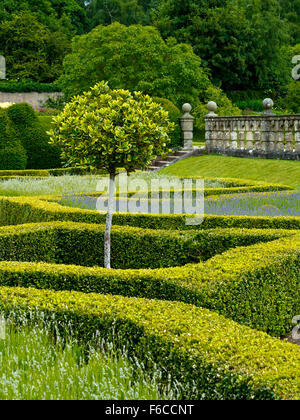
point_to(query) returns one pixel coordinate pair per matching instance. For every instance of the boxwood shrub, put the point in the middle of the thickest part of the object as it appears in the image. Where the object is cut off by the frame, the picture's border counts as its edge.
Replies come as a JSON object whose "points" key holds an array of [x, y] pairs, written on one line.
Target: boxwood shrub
{"points": [[255, 284], [223, 359], [12, 153], [82, 244], [18, 210], [32, 135]]}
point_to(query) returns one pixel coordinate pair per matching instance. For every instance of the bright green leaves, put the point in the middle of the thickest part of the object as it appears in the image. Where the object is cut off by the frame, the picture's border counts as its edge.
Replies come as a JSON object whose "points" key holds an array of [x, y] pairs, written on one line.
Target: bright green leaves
{"points": [[111, 129]]}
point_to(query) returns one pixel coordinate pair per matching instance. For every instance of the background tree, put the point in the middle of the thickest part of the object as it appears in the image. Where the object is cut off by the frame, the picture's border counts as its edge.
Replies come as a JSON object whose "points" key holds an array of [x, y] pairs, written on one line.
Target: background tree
{"points": [[65, 16], [30, 49], [134, 58], [127, 12], [238, 40], [111, 129], [290, 10]]}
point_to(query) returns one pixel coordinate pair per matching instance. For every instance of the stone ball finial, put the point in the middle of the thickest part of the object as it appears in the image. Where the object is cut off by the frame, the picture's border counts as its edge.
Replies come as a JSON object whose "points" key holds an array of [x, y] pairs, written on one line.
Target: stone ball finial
{"points": [[268, 104], [186, 108], [212, 106]]}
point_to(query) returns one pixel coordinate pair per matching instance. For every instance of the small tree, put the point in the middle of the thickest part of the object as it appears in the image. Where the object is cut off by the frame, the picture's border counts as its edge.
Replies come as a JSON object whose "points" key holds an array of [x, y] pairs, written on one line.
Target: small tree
{"points": [[111, 129]]}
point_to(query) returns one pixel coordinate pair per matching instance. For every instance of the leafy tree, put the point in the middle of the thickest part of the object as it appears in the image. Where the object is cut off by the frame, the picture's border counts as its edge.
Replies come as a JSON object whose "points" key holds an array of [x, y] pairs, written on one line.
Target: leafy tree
{"points": [[134, 58], [65, 16], [30, 49], [110, 129], [225, 108], [291, 101], [239, 40], [290, 10], [127, 12]]}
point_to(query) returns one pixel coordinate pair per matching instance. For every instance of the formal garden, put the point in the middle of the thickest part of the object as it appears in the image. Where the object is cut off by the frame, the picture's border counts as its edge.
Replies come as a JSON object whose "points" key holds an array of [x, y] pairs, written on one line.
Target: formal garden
{"points": [[183, 282]]}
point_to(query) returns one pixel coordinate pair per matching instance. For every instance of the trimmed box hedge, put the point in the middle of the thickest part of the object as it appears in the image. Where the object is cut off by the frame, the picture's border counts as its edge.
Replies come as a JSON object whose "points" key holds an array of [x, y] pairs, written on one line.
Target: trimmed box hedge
{"points": [[43, 173], [222, 358], [255, 285], [83, 244], [18, 210]]}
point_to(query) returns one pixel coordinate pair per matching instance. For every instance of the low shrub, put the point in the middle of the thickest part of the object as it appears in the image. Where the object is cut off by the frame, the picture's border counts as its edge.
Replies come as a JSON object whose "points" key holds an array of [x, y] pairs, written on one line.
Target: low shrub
{"points": [[12, 153], [41, 155], [18, 210], [253, 104], [27, 86], [224, 359], [252, 282], [82, 244], [42, 173]]}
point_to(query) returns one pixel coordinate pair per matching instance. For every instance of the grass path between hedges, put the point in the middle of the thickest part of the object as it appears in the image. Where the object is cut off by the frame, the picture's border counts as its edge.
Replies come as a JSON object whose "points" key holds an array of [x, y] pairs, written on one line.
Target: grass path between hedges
{"points": [[272, 171]]}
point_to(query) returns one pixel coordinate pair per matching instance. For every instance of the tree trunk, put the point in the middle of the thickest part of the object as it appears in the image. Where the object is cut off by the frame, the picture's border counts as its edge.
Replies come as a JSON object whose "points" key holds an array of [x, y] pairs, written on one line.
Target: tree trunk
{"points": [[109, 216]]}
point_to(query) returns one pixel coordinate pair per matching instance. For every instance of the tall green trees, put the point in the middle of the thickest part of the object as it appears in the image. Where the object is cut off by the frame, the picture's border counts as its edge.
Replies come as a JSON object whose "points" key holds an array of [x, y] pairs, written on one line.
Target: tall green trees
{"points": [[31, 50], [239, 40], [65, 16], [135, 58], [127, 12]]}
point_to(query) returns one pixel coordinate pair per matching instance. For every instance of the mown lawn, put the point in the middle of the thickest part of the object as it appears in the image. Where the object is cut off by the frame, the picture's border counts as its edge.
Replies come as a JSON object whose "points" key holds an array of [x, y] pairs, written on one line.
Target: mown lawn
{"points": [[273, 171]]}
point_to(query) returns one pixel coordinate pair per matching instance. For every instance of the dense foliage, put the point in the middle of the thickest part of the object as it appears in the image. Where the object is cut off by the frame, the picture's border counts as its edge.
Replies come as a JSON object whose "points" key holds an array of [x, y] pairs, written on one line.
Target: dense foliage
{"points": [[12, 153], [243, 45], [31, 50], [35, 140], [144, 62], [110, 129]]}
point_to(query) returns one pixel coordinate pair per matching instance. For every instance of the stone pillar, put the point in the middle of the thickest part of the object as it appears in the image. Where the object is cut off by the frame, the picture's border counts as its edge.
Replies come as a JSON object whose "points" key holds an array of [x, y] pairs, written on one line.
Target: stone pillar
{"points": [[187, 127], [267, 135]]}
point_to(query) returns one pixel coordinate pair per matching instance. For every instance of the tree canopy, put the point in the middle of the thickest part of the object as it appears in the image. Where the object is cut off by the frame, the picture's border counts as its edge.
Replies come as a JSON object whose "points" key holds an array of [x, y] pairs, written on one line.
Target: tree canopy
{"points": [[238, 40], [135, 58], [31, 50]]}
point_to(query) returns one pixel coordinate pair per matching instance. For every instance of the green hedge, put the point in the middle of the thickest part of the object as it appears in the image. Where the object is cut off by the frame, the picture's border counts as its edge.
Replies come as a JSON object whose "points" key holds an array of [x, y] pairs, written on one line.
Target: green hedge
{"points": [[27, 86], [35, 140], [255, 284], [12, 153], [41, 173], [82, 244], [18, 210], [224, 359]]}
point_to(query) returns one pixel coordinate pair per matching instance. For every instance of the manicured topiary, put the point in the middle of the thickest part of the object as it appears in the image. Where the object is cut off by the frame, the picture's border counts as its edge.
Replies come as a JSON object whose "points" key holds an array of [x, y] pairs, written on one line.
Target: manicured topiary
{"points": [[41, 155], [220, 357], [109, 129], [12, 153]]}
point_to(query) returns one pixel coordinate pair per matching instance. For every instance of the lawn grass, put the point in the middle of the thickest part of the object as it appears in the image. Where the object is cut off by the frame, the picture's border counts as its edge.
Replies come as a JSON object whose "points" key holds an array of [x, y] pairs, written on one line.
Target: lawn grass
{"points": [[282, 172], [33, 367]]}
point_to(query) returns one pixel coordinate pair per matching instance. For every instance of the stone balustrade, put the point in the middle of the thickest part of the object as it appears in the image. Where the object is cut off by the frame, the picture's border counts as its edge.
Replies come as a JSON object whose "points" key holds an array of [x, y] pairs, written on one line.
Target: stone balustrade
{"points": [[267, 135]]}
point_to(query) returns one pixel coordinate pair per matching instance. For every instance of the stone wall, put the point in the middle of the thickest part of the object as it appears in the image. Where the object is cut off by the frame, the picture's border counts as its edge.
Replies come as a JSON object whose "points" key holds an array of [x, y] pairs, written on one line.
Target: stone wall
{"points": [[35, 99], [267, 135]]}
